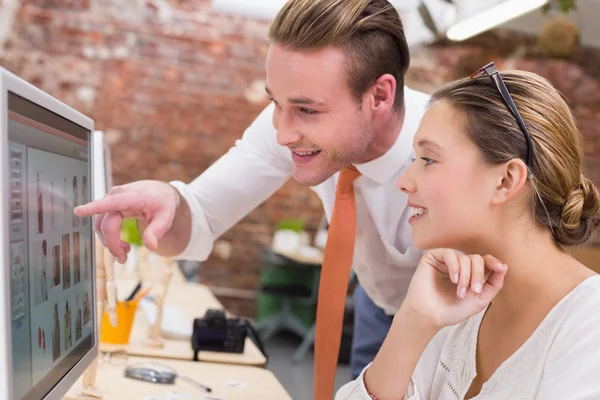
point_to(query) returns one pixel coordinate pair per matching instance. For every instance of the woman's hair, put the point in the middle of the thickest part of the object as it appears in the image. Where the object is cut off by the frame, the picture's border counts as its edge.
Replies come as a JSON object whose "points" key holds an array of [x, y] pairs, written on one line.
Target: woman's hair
{"points": [[565, 201]]}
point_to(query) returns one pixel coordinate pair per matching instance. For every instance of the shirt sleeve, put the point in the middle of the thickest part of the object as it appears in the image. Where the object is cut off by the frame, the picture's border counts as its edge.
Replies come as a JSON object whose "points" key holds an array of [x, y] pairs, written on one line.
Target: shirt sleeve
{"points": [[420, 385], [572, 369], [249, 173]]}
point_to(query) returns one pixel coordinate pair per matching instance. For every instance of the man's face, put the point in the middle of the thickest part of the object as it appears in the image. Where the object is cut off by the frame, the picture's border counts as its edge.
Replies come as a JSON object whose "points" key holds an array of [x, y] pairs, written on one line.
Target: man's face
{"points": [[316, 115]]}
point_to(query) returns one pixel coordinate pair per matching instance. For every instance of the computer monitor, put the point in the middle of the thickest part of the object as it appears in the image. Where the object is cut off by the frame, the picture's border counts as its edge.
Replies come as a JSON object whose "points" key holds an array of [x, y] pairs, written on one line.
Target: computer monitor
{"points": [[102, 165], [48, 332]]}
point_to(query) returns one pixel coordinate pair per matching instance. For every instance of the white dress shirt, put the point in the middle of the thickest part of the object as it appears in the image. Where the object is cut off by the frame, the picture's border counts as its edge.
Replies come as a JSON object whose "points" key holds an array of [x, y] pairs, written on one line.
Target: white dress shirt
{"points": [[559, 361], [253, 169]]}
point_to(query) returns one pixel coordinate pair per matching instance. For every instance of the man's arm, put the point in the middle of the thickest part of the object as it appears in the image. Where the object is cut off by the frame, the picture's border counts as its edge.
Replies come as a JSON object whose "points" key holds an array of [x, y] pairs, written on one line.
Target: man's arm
{"points": [[248, 174]]}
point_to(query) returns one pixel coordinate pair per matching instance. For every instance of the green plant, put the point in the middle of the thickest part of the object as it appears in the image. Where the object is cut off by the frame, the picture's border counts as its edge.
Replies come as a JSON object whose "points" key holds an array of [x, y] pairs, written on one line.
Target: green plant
{"points": [[563, 6], [130, 232], [295, 225]]}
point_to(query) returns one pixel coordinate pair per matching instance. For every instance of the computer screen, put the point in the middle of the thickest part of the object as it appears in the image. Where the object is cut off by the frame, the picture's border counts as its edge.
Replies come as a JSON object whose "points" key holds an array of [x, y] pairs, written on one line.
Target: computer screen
{"points": [[52, 302]]}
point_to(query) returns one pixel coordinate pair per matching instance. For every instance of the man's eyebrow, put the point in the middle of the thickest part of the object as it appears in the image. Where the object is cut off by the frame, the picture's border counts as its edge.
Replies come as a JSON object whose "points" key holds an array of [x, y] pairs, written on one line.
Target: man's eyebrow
{"points": [[305, 101], [300, 100]]}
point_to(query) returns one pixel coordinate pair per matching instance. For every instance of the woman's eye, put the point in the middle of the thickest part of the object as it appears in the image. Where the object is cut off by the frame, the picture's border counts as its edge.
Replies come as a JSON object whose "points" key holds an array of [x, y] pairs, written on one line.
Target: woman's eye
{"points": [[427, 160]]}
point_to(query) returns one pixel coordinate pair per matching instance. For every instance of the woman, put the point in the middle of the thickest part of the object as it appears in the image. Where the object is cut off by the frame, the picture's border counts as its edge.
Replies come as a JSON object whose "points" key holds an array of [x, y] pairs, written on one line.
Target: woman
{"points": [[511, 315]]}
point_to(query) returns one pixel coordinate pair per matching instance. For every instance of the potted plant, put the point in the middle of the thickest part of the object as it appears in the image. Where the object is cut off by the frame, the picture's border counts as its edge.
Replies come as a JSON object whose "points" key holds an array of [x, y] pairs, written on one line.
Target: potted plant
{"points": [[559, 37]]}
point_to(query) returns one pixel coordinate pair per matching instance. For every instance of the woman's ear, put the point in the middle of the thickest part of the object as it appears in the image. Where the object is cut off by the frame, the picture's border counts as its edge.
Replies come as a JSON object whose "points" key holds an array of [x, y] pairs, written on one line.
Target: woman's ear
{"points": [[511, 181]]}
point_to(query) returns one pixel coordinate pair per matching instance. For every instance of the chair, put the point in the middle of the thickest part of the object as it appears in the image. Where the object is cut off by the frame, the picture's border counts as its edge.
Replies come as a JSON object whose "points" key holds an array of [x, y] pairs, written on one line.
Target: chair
{"points": [[296, 284]]}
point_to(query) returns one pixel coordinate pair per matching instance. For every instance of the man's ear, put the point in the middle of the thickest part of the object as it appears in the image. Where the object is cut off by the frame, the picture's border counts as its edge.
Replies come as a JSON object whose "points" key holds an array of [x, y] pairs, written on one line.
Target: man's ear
{"points": [[382, 94], [512, 177]]}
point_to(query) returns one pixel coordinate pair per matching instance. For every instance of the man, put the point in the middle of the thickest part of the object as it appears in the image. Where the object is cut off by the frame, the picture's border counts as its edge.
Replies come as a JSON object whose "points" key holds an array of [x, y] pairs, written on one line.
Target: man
{"points": [[335, 75]]}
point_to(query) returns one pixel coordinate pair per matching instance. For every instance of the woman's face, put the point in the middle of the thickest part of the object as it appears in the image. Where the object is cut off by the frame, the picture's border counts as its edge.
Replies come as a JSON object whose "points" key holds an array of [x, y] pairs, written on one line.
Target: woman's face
{"points": [[449, 184]]}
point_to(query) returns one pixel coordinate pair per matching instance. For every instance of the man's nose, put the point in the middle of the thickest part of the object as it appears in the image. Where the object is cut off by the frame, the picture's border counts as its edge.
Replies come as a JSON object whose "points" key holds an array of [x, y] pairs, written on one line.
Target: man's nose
{"points": [[287, 133]]}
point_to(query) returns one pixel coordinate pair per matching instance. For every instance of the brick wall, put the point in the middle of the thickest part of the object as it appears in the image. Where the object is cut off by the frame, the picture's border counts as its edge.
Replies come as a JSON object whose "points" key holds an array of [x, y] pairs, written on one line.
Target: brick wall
{"points": [[173, 84]]}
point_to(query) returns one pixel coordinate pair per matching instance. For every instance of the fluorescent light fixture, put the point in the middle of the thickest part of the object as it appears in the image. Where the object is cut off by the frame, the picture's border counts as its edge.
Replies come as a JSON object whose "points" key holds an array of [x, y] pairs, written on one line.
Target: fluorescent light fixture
{"points": [[491, 18]]}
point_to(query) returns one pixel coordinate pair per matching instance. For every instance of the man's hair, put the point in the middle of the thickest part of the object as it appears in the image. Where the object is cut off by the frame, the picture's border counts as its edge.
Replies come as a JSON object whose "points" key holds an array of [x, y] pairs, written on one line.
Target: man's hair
{"points": [[369, 32]]}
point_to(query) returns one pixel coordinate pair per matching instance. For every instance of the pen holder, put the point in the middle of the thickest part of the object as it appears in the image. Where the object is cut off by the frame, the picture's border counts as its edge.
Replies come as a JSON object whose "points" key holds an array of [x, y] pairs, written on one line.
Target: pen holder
{"points": [[119, 334]]}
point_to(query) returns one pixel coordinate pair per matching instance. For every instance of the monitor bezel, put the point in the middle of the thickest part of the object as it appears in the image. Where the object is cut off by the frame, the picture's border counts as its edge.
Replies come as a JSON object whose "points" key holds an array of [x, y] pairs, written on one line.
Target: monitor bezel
{"points": [[102, 165], [12, 83]]}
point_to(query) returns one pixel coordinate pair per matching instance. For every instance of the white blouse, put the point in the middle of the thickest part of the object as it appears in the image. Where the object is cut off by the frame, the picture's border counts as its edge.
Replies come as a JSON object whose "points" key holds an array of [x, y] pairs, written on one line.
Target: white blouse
{"points": [[560, 360]]}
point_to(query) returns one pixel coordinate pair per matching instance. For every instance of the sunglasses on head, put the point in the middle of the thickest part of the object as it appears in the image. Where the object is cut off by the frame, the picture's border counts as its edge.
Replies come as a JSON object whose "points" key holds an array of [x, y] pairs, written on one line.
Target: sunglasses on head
{"points": [[491, 71]]}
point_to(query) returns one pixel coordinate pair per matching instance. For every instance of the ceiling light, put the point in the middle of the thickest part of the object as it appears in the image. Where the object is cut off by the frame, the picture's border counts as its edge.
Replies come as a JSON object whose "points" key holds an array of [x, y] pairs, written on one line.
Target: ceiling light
{"points": [[492, 17]]}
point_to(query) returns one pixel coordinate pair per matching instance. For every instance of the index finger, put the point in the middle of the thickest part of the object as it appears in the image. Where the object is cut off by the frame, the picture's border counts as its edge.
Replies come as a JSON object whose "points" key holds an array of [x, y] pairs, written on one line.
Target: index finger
{"points": [[493, 264], [111, 203], [449, 258]]}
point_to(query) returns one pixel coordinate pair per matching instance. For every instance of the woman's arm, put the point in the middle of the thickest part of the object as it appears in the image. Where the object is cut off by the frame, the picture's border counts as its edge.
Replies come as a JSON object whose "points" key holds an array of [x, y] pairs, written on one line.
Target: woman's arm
{"points": [[439, 296], [390, 374], [422, 378]]}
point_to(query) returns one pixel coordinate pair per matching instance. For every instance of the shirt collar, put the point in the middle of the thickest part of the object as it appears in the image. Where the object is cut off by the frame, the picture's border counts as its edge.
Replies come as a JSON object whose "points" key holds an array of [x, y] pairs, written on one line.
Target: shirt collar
{"points": [[383, 168]]}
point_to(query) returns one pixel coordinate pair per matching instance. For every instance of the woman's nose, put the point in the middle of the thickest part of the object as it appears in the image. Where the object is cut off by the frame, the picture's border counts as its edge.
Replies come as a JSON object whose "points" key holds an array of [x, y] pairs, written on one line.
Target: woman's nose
{"points": [[406, 183]]}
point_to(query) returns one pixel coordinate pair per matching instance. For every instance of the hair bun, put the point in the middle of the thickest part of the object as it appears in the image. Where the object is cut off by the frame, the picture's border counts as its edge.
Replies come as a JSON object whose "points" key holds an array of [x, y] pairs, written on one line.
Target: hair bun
{"points": [[580, 214]]}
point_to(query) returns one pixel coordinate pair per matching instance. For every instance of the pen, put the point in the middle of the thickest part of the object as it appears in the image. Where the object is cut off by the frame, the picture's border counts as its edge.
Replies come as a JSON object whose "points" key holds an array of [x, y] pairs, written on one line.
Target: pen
{"points": [[198, 385], [137, 289], [143, 293]]}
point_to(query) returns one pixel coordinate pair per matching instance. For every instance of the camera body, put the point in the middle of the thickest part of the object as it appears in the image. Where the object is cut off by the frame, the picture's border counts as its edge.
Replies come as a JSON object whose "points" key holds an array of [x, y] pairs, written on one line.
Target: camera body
{"points": [[216, 332]]}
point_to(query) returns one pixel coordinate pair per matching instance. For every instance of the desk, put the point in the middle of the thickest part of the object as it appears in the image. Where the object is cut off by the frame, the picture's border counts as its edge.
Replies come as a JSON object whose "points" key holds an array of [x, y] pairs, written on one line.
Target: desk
{"points": [[193, 300], [256, 383]]}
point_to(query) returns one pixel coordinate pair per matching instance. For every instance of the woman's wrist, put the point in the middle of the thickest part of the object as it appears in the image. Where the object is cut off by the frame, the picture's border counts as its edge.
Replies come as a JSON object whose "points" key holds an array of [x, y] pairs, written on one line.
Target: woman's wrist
{"points": [[408, 317], [390, 374]]}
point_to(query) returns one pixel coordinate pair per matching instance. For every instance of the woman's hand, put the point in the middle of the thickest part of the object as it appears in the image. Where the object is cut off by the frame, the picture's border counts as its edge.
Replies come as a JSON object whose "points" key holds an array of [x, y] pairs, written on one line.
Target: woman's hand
{"points": [[449, 287]]}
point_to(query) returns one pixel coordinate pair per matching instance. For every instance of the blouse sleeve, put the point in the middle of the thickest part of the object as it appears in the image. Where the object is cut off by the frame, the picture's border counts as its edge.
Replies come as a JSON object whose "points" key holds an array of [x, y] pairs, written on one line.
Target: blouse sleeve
{"points": [[420, 386]]}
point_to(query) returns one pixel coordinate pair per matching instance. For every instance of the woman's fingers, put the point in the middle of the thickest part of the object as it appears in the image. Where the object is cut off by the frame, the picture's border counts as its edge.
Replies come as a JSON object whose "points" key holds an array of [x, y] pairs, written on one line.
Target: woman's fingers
{"points": [[464, 276], [495, 281], [477, 273], [451, 260], [470, 272], [445, 261]]}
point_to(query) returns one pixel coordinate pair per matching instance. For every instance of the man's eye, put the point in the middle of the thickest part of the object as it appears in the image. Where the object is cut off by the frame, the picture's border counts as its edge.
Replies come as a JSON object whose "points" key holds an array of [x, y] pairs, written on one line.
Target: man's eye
{"points": [[307, 111]]}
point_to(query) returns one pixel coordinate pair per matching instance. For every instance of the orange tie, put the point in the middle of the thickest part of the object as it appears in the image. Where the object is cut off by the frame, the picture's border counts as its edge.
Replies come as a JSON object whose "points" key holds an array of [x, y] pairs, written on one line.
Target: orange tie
{"points": [[333, 287]]}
